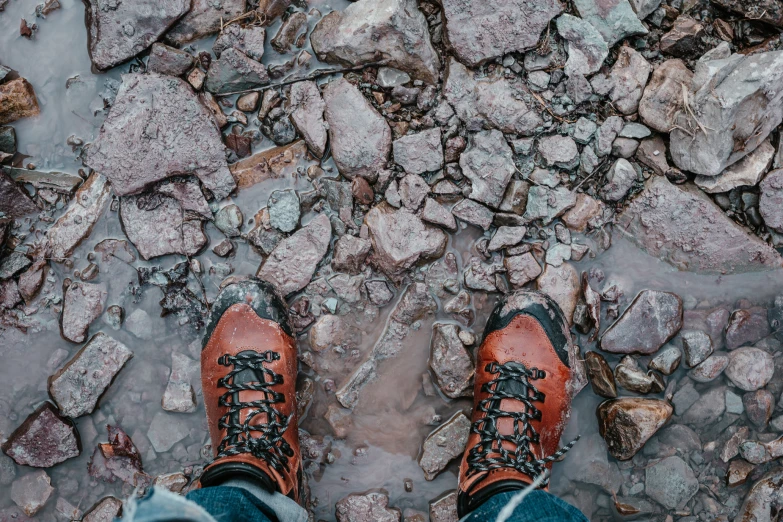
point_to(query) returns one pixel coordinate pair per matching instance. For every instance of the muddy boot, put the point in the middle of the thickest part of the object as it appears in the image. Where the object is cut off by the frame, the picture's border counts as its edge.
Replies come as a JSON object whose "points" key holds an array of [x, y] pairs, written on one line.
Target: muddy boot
{"points": [[522, 399], [248, 375]]}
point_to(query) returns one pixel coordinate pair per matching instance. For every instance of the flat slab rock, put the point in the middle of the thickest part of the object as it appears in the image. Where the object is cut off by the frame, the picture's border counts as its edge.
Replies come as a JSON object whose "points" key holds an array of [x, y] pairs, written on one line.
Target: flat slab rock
{"points": [[400, 239], [360, 137], [367, 507], [384, 32], [235, 71], [105, 510], [682, 226], [478, 30], [204, 18], [82, 304], [44, 439], [489, 165], [158, 128], [651, 320], [78, 385], [118, 31], [17, 101], [292, 263], [492, 101], [444, 444], [13, 200]]}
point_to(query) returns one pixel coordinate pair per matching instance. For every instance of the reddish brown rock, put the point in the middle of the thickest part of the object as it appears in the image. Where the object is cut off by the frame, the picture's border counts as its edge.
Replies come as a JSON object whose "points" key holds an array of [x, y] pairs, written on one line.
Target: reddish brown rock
{"points": [[13, 200], [44, 439], [627, 424], [17, 101]]}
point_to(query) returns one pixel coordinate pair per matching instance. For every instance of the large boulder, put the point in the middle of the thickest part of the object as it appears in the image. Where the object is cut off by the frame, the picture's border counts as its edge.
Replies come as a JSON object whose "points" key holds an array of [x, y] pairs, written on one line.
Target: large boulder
{"points": [[738, 103], [118, 31], [158, 128], [681, 225], [389, 32], [479, 30], [360, 138]]}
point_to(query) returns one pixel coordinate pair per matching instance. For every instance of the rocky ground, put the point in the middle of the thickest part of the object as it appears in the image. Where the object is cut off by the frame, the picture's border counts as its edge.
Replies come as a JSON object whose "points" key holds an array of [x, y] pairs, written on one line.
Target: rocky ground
{"points": [[392, 167]]}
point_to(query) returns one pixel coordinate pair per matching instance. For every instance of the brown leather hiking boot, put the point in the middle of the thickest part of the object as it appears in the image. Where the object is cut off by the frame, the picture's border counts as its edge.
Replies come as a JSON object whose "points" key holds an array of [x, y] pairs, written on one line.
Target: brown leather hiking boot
{"points": [[522, 399], [248, 375]]}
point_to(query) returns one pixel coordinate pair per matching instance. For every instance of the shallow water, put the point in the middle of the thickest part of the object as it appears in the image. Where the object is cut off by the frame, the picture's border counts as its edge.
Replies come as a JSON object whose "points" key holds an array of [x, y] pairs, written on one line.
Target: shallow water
{"points": [[388, 425]]}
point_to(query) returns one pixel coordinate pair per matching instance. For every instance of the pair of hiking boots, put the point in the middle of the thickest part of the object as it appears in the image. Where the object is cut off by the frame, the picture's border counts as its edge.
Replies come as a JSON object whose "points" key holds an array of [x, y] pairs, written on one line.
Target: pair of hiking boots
{"points": [[522, 394]]}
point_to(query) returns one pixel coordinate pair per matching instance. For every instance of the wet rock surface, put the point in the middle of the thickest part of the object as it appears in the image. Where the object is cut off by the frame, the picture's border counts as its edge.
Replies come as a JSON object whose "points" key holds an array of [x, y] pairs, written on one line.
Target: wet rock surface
{"points": [[44, 439], [17, 101], [626, 424], [650, 321], [204, 18], [447, 442], [366, 507], [82, 304]]}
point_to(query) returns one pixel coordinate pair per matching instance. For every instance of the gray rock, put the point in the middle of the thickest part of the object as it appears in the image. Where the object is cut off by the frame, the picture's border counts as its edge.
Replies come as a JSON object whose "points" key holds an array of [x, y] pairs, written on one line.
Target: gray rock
{"points": [[671, 482], [166, 430], [764, 498], [179, 396], [32, 491], [378, 292], [360, 137], [44, 439], [307, 114], [451, 363], [292, 263], [473, 213], [489, 165], [619, 180], [607, 133], [138, 324], [625, 83], [367, 507], [667, 360], [442, 509], [490, 102], [235, 71], [615, 20], [506, 236], [82, 304], [388, 32], [682, 226], [584, 130], [697, 346], [736, 91], [746, 326], [179, 121], [759, 405], [521, 269], [118, 32], [650, 321], [547, 204], [389, 77], [590, 465], [624, 147], [349, 254], [400, 239], [684, 39], [775, 317], [444, 444], [771, 200], [750, 368], [587, 49], [435, 213], [685, 397], [644, 8], [289, 32], [747, 172], [561, 283], [13, 263], [204, 18], [558, 151], [14, 201], [636, 131], [626, 424], [663, 98], [77, 386], [105, 510], [707, 409], [168, 60], [7, 140], [413, 189], [419, 153], [248, 40], [284, 210], [710, 369], [229, 220]]}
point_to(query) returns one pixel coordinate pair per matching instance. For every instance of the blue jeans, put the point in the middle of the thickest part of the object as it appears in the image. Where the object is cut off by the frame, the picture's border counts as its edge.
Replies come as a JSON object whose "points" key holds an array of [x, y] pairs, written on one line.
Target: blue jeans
{"points": [[240, 502]]}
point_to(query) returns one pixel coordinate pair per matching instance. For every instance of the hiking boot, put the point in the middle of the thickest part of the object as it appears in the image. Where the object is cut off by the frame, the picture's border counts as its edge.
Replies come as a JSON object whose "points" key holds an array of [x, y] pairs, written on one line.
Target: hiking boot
{"points": [[248, 376], [522, 399]]}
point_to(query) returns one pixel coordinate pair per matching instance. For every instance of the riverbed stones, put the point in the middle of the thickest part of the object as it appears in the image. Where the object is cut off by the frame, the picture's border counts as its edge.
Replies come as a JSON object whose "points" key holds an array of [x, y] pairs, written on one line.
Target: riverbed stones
{"points": [[307, 114], [284, 210], [77, 386], [587, 49], [619, 180], [360, 138], [135, 144], [738, 90], [615, 19], [684, 39], [436, 214], [521, 269], [480, 31], [681, 225], [444, 444], [651, 320], [419, 153], [746, 326], [400, 239], [349, 254], [235, 71], [17, 101], [117, 32], [671, 482], [248, 40], [204, 18], [759, 405], [179, 396], [626, 424], [168, 60], [750, 368], [473, 213], [747, 172], [630, 376], [707, 408], [490, 102], [13, 199], [44, 439], [32, 491], [697, 346], [764, 499], [82, 304], [450, 361], [561, 283], [625, 83], [558, 151], [662, 99], [771, 200], [710, 369], [105, 510], [488, 164], [666, 360], [292, 263], [600, 374], [388, 32], [367, 507], [82, 213]]}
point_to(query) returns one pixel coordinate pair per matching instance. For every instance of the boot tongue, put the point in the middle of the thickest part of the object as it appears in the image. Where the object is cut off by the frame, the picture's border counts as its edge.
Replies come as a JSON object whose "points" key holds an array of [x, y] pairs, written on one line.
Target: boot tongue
{"points": [[249, 376]]}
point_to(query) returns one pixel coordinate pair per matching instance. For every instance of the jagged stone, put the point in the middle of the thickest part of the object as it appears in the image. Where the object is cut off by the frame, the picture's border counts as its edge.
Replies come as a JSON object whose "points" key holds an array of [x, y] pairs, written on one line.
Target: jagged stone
{"points": [[650, 321], [626, 424], [44, 439], [615, 20], [79, 219], [444, 444], [307, 114], [168, 60], [235, 71], [17, 101], [450, 361], [587, 49], [419, 153], [625, 83], [204, 18], [248, 40]]}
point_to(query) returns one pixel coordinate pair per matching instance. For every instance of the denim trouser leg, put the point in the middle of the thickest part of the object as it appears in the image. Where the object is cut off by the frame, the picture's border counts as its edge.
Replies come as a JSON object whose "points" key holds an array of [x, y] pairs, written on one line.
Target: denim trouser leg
{"points": [[538, 506]]}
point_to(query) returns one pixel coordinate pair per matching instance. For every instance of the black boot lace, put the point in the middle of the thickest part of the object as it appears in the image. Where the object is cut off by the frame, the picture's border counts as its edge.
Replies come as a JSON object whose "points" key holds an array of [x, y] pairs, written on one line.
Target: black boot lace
{"points": [[266, 441], [494, 450]]}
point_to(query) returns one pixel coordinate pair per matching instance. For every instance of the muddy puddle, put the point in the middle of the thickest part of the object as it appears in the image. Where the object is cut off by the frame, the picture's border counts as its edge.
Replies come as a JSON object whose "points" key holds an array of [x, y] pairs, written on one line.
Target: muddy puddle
{"points": [[394, 414]]}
